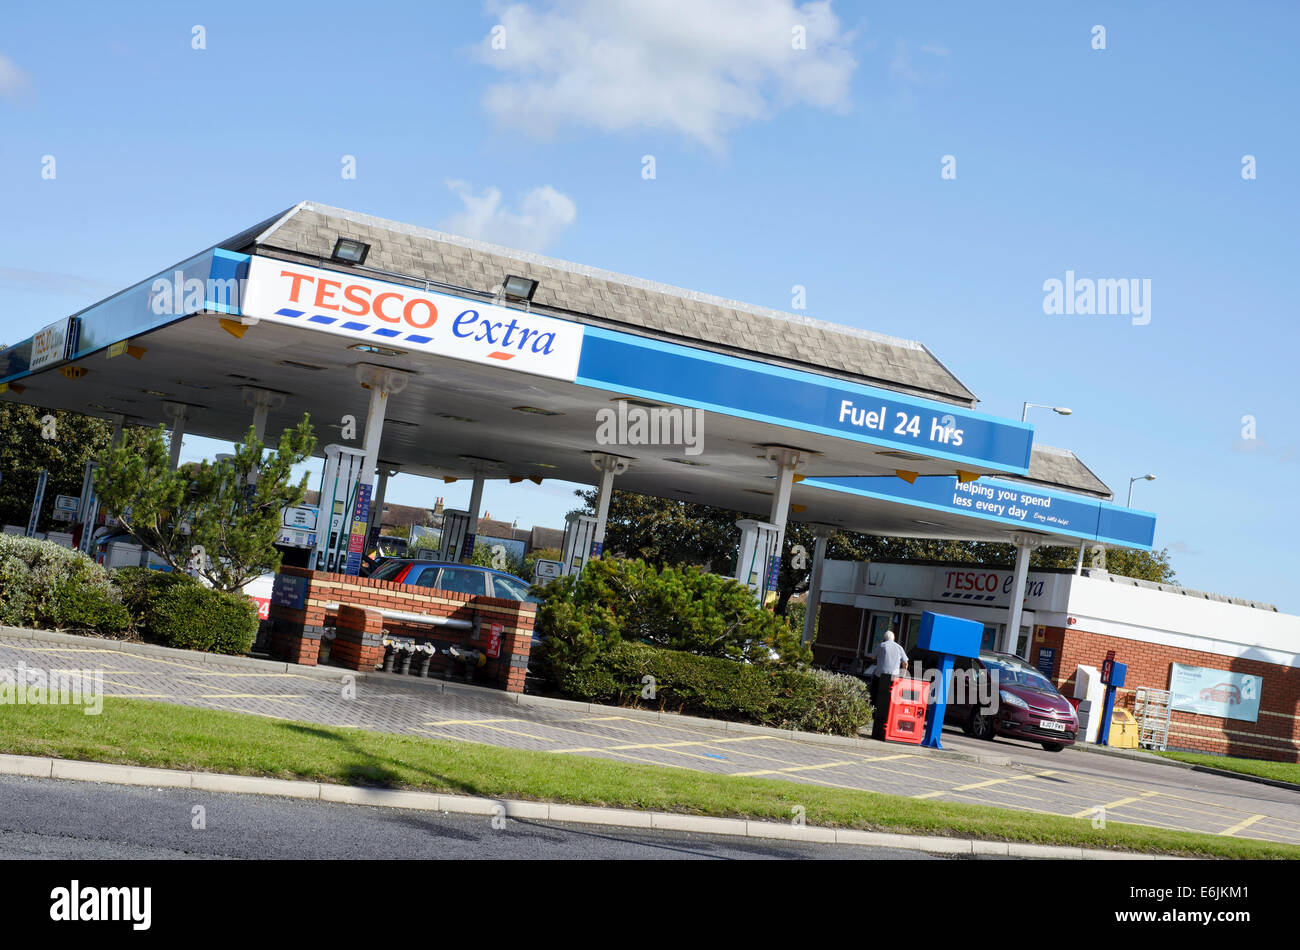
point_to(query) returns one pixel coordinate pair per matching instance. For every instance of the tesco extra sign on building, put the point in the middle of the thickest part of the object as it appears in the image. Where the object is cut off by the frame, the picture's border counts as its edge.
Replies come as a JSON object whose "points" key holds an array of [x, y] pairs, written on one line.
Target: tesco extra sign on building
{"points": [[408, 318]]}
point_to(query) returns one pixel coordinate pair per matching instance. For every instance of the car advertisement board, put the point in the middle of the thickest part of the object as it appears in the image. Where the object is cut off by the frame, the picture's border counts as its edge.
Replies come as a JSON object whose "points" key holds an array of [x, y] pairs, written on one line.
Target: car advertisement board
{"points": [[1198, 689], [402, 317]]}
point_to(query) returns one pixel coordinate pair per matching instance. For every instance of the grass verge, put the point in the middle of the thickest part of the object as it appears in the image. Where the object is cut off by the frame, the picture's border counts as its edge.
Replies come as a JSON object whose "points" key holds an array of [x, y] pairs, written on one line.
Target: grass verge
{"points": [[141, 732], [1278, 771]]}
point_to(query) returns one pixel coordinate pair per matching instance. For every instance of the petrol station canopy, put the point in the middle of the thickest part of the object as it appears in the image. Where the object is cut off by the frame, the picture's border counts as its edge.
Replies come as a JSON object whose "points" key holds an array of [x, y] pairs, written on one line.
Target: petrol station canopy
{"points": [[497, 382]]}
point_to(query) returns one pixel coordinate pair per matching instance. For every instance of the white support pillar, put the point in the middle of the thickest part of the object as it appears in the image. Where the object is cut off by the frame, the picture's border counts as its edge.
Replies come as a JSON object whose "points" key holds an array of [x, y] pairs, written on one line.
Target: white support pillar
{"points": [[119, 422], [1025, 544], [261, 401], [176, 413], [786, 460], [608, 466], [475, 511], [822, 533], [377, 509], [1078, 565], [382, 383]]}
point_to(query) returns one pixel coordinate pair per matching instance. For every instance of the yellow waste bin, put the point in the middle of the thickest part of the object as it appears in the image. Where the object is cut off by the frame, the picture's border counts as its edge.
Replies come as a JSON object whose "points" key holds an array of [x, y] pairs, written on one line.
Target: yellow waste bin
{"points": [[1123, 730]]}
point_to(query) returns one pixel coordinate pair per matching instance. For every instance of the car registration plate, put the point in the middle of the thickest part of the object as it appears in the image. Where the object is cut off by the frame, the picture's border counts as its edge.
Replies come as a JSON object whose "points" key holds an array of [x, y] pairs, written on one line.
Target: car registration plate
{"points": [[1051, 724]]}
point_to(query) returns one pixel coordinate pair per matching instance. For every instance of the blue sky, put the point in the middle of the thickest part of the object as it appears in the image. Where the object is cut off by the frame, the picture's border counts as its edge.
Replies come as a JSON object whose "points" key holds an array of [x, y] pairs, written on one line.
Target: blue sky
{"points": [[774, 167]]}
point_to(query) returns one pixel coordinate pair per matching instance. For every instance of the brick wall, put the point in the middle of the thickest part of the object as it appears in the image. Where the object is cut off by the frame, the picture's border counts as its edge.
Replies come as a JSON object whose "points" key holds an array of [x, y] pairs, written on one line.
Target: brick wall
{"points": [[296, 632], [1275, 736]]}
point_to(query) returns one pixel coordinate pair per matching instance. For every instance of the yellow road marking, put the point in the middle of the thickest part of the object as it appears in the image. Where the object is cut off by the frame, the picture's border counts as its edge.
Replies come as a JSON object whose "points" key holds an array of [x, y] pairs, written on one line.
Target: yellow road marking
{"points": [[1089, 812], [792, 768], [469, 722], [998, 781], [657, 745], [1242, 824], [251, 696]]}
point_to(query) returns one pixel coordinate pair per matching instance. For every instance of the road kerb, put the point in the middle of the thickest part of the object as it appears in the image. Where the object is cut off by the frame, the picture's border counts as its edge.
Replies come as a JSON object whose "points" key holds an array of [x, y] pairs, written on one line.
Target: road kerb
{"points": [[74, 770]]}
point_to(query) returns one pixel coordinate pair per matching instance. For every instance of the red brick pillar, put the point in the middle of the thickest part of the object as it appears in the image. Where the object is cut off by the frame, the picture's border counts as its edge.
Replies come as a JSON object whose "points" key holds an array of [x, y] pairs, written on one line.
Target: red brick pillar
{"points": [[295, 630], [358, 638], [516, 644]]}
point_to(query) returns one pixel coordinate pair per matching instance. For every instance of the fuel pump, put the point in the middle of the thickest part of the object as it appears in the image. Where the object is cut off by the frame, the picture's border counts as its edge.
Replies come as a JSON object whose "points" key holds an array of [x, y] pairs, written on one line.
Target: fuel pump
{"points": [[759, 560], [338, 488], [455, 532], [579, 532]]}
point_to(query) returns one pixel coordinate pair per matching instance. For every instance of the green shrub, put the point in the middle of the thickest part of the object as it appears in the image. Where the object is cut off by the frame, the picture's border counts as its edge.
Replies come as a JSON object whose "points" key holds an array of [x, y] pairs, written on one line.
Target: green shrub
{"points": [[49, 586], [177, 611], [789, 698], [682, 609]]}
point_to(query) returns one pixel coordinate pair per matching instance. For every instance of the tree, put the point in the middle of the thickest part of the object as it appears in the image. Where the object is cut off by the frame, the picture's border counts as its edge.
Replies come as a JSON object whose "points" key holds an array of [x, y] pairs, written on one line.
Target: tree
{"points": [[1146, 565], [217, 519], [57, 441]]}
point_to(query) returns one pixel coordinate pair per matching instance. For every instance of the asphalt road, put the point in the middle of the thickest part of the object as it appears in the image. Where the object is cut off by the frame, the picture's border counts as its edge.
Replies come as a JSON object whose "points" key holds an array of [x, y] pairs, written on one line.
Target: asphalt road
{"points": [[52, 819], [1011, 774]]}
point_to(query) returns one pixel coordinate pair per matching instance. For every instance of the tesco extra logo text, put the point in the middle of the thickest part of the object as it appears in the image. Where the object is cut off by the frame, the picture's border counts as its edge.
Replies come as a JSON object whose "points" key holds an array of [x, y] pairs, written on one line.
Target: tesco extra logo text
{"points": [[417, 311], [360, 300], [989, 583]]}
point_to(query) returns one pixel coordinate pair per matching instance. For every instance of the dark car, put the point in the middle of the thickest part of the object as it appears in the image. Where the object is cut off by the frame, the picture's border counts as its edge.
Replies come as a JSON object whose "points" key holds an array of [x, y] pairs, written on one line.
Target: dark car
{"points": [[448, 575], [1002, 695], [467, 579]]}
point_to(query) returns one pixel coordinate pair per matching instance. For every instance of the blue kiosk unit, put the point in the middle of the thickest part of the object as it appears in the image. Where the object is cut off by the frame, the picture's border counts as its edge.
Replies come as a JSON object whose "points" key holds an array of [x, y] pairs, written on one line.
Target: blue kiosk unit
{"points": [[949, 637], [1113, 674]]}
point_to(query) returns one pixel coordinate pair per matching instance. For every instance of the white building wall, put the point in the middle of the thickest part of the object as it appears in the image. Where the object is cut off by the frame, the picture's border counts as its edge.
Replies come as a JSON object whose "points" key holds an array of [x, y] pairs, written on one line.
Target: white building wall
{"points": [[1096, 604]]}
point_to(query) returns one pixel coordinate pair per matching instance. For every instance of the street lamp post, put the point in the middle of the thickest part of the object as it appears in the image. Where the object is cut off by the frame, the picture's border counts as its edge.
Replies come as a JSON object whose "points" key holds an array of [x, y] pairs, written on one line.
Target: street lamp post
{"points": [[1136, 478], [1059, 410]]}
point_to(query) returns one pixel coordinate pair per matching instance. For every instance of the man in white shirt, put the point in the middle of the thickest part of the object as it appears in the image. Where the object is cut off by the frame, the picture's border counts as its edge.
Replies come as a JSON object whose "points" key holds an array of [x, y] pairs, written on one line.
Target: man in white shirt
{"points": [[891, 660]]}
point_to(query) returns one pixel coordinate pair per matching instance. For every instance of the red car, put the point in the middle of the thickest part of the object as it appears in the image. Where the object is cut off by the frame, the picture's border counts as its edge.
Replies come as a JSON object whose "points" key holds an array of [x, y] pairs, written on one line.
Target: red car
{"points": [[1221, 693], [1002, 695]]}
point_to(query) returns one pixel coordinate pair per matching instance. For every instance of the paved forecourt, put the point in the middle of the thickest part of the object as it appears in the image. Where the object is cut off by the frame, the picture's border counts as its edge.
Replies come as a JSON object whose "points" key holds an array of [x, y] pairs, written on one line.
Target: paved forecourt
{"points": [[1010, 775]]}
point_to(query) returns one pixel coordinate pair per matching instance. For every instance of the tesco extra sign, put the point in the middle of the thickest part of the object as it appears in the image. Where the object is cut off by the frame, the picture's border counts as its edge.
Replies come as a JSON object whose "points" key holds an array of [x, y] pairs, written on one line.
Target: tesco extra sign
{"points": [[982, 585], [411, 319]]}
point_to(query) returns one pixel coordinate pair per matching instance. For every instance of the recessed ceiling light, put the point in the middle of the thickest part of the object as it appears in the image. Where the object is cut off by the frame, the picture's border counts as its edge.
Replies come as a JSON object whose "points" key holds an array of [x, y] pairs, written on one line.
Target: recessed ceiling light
{"points": [[156, 392], [541, 464], [637, 402], [377, 350], [931, 524], [758, 491], [401, 422], [250, 379], [902, 455], [686, 462], [191, 385], [296, 365], [447, 415], [537, 412]]}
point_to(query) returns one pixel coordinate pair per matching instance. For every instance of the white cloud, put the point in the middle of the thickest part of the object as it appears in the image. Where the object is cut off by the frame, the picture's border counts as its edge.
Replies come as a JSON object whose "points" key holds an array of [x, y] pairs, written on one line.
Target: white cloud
{"points": [[543, 213], [901, 65], [12, 79], [699, 68], [49, 282], [903, 71]]}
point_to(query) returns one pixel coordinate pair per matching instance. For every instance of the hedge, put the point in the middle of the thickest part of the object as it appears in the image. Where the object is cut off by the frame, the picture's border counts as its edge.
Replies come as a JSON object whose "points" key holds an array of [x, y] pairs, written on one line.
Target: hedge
{"points": [[789, 698], [678, 608], [177, 611], [46, 585]]}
